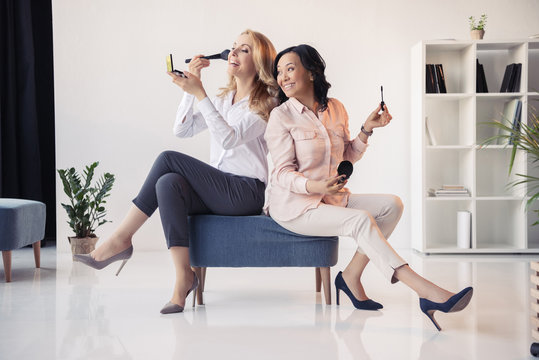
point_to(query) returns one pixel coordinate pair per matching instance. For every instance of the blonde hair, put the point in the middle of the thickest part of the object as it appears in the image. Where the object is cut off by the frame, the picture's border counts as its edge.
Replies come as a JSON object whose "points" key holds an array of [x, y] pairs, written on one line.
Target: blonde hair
{"points": [[263, 96]]}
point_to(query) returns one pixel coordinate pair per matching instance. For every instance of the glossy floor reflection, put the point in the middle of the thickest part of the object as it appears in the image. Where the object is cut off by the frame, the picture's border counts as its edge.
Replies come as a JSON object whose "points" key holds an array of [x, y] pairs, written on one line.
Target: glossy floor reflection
{"points": [[73, 312]]}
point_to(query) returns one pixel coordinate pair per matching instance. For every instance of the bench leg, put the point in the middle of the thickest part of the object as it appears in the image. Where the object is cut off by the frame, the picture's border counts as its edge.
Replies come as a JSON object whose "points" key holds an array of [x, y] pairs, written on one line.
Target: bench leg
{"points": [[200, 300], [318, 279], [325, 274], [37, 253], [203, 280], [6, 257]]}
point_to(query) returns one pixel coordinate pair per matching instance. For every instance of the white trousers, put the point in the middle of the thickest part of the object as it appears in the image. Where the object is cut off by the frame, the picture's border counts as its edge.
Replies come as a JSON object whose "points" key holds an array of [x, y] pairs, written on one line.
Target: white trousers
{"points": [[368, 218]]}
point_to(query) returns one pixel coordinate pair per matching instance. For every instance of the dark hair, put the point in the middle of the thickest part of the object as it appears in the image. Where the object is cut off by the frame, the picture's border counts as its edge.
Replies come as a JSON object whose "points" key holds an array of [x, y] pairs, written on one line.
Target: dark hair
{"points": [[313, 62]]}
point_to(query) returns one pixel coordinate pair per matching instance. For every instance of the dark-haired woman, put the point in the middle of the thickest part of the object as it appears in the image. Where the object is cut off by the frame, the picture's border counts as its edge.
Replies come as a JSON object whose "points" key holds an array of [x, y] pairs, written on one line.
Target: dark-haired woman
{"points": [[307, 137]]}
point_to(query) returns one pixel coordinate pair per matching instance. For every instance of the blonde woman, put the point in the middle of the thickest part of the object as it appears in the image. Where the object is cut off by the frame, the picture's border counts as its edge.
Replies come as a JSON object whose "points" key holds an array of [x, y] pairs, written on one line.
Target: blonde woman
{"points": [[234, 181]]}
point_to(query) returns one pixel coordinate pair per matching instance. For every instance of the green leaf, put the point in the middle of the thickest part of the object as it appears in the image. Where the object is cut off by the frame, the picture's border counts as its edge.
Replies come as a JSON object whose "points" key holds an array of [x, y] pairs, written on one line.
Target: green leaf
{"points": [[525, 139], [85, 211]]}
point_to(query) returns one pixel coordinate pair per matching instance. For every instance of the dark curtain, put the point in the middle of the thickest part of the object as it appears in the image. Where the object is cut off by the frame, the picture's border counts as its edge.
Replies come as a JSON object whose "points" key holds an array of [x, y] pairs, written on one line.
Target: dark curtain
{"points": [[27, 157]]}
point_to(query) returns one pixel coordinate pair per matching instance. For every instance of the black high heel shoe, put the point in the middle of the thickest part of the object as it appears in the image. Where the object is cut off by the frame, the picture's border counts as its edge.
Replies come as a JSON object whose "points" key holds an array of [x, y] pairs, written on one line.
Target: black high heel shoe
{"points": [[455, 303], [362, 305]]}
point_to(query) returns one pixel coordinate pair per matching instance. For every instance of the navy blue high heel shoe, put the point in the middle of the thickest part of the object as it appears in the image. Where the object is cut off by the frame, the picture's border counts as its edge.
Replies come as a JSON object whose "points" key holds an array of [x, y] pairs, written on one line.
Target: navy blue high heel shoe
{"points": [[455, 303], [362, 305]]}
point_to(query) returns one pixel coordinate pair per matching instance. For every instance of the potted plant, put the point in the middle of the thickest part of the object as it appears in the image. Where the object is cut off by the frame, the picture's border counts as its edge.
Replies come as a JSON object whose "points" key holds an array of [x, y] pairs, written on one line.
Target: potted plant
{"points": [[477, 31], [524, 137], [86, 211]]}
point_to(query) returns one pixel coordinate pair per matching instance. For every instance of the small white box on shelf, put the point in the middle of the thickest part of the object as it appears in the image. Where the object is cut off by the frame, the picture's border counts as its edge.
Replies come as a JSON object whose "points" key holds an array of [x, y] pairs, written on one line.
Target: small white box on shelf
{"points": [[464, 229]]}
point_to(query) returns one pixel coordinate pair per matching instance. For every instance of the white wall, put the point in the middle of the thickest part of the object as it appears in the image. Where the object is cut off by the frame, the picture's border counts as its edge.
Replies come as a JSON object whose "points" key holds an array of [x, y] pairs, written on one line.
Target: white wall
{"points": [[115, 103]]}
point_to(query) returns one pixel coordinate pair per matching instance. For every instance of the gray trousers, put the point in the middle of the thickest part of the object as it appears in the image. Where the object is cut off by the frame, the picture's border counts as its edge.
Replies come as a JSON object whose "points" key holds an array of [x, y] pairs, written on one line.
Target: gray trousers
{"points": [[181, 185]]}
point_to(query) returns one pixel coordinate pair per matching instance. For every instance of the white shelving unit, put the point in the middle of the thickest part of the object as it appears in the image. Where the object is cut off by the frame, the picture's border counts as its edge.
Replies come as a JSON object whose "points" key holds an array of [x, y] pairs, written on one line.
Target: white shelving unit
{"points": [[500, 223]]}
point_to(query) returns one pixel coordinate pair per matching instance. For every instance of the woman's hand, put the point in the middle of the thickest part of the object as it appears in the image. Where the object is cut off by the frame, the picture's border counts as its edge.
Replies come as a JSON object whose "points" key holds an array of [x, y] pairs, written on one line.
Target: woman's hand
{"points": [[190, 84], [196, 64], [376, 119], [329, 186]]}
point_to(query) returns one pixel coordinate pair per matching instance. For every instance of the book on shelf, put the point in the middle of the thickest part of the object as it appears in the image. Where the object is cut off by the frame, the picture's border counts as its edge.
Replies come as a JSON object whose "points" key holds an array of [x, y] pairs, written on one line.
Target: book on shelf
{"points": [[441, 78], [516, 121], [453, 187], [510, 118], [449, 190], [430, 86], [435, 79], [506, 77], [511, 78], [514, 85], [480, 80], [430, 134]]}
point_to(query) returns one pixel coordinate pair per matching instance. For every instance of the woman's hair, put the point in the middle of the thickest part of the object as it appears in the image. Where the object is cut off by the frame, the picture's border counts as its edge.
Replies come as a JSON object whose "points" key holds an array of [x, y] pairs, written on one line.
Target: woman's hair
{"points": [[313, 62], [262, 97]]}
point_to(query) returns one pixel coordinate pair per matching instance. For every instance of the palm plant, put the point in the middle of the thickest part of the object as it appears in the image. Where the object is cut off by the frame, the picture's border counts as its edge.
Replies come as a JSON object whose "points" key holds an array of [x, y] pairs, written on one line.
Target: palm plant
{"points": [[524, 138], [85, 210]]}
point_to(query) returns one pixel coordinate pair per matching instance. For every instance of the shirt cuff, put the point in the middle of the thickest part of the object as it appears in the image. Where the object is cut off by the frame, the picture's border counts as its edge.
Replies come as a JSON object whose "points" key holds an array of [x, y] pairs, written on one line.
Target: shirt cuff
{"points": [[359, 145], [302, 184]]}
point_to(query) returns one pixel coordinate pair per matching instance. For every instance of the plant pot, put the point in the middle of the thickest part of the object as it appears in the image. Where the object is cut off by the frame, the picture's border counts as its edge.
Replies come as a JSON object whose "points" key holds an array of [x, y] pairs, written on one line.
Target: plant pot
{"points": [[477, 34], [82, 245]]}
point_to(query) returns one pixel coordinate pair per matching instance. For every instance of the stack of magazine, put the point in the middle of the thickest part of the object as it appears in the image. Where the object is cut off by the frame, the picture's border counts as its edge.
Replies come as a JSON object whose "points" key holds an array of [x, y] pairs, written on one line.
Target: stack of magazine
{"points": [[450, 190]]}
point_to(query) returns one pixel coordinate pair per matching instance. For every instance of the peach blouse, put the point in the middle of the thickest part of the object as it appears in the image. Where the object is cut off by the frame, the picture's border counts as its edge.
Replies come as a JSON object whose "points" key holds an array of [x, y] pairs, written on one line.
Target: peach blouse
{"points": [[306, 146]]}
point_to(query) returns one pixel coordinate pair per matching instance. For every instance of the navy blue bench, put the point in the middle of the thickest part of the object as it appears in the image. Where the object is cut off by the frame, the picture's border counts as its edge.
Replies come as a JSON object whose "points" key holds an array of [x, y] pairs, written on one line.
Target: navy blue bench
{"points": [[257, 241]]}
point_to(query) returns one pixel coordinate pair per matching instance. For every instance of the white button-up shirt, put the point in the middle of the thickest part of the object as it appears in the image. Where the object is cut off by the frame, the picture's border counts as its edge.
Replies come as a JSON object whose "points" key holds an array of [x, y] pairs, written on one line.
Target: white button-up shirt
{"points": [[237, 143]]}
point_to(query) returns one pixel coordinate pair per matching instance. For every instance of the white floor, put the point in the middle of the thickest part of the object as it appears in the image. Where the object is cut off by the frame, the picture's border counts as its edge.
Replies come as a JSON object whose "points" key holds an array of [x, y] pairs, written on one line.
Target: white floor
{"points": [[67, 311]]}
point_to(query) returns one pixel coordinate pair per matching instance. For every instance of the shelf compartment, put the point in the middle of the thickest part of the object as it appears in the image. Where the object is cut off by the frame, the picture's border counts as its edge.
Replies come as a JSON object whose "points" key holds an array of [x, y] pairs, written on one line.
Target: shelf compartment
{"points": [[533, 68], [493, 179], [533, 231], [532, 107], [495, 57], [499, 224], [489, 109], [450, 120], [449, 167], [456, 60], [441, 222]]}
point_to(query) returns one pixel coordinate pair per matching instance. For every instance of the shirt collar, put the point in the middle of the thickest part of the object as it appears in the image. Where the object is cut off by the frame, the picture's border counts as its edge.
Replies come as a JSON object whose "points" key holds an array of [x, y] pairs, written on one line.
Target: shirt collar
{"points": [[231, 97], [297, 105]]}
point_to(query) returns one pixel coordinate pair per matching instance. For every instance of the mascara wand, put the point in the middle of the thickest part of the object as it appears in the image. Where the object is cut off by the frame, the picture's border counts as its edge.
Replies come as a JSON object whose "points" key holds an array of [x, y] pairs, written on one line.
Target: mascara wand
{"points": [[382, 104]]}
